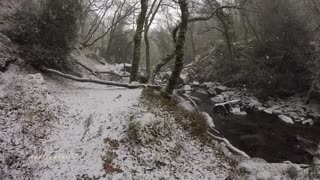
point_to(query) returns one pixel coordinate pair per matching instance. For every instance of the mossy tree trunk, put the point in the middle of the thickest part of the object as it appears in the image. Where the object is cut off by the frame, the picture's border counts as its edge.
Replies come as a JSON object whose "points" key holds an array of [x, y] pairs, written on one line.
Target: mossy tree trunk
{"points": [[137, 41], [179, 48]]}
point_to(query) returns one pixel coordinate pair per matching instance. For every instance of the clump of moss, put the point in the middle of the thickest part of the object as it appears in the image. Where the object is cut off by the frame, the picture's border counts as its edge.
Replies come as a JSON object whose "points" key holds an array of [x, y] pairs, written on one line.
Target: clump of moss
{"points": [[193, 122]]}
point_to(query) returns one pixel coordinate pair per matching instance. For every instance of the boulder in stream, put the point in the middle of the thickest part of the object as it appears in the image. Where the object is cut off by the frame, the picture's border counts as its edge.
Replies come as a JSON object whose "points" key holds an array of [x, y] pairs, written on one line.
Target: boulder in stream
{"points": [[286, 119], [187, 88], [220, 89], [211, 92], [217, 99], [237, 111], [308, 121], [268, 111]]}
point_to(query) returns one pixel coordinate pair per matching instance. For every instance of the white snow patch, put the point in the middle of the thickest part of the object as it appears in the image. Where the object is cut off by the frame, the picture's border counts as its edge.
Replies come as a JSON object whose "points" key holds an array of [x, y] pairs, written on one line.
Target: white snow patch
{"points": [[76, 146], [98, 113]]}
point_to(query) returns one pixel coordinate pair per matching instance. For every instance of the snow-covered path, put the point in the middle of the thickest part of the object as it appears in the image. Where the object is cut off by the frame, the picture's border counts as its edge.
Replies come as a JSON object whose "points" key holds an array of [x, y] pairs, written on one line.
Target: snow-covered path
{"points": [[92, 141], [76, 146]]}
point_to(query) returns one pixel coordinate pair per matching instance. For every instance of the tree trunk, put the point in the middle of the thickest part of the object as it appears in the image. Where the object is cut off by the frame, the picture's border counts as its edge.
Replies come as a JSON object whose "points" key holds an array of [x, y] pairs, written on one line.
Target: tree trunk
{"points": [[146, 40], [137, 41], [193, 44], [158, 67], [226, 33], [179, 48]]}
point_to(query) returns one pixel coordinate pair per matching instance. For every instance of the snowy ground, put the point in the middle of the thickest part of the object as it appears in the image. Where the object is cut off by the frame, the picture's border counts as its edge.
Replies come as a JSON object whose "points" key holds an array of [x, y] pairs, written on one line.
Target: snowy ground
{"points": [[92, 142]]}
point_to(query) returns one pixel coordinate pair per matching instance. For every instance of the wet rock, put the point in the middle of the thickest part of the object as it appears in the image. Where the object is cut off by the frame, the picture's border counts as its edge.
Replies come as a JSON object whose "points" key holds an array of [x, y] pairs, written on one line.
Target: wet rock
{"points": [[300, 119], [187, 88], [237, 111], [277, 112], [195, 83], [268, 111], [268, 171], [260, 108], [224, 149], [275, 107], [293, 171], [217, 99], [307, 122], [286, 119], [211, 92], [220, 89], [254, 103], [208, 119], [314, 115], [208, 85], [293, 115], [201, 92]]}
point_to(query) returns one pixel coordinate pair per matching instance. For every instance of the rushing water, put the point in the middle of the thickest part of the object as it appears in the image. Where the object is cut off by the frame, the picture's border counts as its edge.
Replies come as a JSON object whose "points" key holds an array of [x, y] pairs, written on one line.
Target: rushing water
{"points": [[265, 136]]}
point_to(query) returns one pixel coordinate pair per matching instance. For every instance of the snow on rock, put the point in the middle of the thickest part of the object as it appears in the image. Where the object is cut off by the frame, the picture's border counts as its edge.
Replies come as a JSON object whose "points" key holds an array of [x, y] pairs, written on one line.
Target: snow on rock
{"points": [[308, 121], [259, 169], [211, 92], [217, 99], [208, 119], [286, 119], [187, 88]]}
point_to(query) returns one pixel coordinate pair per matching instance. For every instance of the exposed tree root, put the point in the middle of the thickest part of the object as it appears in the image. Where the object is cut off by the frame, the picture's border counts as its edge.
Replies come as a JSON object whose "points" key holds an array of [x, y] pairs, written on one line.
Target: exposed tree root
{"points": [[110, 83], [229, 145]]}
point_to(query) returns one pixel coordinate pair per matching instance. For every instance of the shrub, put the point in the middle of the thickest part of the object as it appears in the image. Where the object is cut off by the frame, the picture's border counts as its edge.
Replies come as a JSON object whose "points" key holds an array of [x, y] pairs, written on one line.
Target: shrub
{"points": [[47, 36], [134, 132]]}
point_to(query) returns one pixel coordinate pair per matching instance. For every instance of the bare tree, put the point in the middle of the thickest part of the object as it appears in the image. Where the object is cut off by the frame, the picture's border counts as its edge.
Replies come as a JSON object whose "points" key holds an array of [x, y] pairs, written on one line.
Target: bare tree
{"points": [[122, 11], [137, 41], [149, 19]]}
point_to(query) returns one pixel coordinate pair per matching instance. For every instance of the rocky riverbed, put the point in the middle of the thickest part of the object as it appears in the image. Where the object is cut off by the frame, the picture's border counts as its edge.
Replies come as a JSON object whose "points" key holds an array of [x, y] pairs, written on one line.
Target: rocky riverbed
{"points": [[292, 110], [288, 129]]}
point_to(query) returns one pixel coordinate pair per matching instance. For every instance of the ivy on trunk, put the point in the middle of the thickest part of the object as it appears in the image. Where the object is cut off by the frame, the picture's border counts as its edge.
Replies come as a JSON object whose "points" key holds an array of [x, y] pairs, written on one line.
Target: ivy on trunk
{"points": [[179, 49]]}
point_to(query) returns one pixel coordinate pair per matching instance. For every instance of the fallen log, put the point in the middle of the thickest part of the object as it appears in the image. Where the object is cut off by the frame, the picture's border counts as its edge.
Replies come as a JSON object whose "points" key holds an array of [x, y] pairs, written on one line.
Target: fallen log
{"points": [[226, 106], [111, 73], [229, 145], [228, 102], [110, 83]]}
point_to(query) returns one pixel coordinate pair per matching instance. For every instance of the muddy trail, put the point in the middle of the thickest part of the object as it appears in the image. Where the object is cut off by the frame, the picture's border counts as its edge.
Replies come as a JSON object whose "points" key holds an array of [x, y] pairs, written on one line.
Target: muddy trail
{"points": [[265, 136]]}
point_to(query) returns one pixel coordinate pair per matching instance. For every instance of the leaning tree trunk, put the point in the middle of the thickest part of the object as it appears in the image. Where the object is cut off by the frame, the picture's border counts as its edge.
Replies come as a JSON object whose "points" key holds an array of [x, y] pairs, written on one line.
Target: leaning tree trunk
{"points": [[179, 48], [137, 41]]}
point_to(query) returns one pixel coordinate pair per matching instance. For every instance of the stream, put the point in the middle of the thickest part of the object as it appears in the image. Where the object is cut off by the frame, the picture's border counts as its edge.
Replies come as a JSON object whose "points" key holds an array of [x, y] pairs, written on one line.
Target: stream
{"points": [[265, 136]]}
